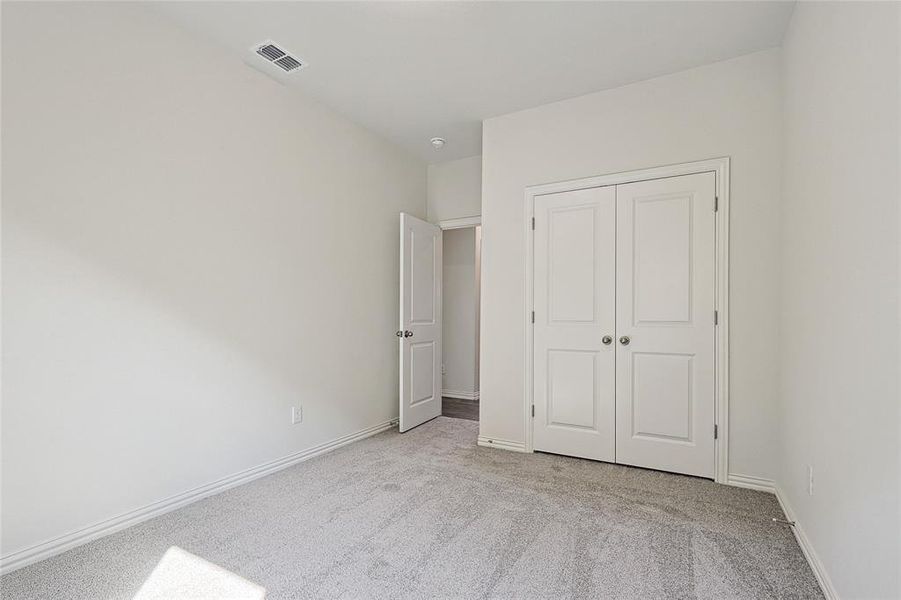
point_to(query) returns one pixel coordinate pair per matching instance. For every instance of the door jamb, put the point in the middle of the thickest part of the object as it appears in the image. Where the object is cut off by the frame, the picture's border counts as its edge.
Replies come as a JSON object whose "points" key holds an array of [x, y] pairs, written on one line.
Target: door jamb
{"points": [[464, 223], [461, 223], [720, 167]]}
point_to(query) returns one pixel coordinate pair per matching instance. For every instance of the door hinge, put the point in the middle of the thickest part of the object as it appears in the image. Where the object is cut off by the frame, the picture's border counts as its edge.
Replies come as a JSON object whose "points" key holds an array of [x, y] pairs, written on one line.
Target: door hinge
{"points": [[716, 432], [533, 223], [533, 411], [716, 317], [533, 316], [716, 203]]}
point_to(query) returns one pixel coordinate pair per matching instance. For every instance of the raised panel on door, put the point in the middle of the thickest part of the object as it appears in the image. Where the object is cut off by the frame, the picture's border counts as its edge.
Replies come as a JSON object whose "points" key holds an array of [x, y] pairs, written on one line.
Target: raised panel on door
{"points": [[422, 372], [662, 396], [420, 322], [665, 307], [423, 248], [574, 308], [572, 386]]}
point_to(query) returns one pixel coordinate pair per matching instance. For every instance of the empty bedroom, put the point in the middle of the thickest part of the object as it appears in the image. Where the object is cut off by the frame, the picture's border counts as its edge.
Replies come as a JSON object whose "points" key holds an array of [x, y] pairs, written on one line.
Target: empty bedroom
{"points": [[444, 299]]}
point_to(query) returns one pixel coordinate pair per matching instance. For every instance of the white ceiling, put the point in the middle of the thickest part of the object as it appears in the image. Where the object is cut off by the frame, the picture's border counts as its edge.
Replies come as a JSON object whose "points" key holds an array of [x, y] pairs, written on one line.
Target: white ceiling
{"points": [[413, 70]]}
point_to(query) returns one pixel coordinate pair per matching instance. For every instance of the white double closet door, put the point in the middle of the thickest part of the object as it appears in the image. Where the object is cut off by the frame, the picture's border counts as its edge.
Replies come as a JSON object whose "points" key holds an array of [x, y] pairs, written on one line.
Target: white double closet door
{"points": [[624, 298]]}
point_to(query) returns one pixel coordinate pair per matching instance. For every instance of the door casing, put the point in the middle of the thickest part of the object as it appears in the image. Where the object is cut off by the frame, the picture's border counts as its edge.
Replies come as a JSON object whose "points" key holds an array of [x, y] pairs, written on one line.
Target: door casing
{"points": [[718, 166]]}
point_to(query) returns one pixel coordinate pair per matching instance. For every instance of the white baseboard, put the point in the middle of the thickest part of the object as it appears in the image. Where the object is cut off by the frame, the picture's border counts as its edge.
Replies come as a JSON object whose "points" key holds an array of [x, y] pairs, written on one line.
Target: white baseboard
{"points": [[768, 485], [460, 395], [816, 565], [21, 558], [489, 442], [751, 482]]}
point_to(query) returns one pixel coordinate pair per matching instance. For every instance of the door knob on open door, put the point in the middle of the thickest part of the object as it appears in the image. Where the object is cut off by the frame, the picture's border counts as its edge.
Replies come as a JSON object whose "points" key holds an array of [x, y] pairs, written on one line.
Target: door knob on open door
{"points": [[399, 333], [408, 334], [624, 340], [606, 340]]}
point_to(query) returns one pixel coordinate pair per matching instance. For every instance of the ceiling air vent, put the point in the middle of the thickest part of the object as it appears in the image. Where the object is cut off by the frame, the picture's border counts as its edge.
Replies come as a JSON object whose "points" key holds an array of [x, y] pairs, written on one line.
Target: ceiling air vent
{"points": [[288, 63], [278, 56], [270, 51]]}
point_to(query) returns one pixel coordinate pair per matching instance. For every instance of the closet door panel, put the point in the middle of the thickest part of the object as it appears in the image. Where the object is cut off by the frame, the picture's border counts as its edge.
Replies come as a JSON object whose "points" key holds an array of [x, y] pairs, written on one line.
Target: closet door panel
{"points": [[574, 301], [665, 298]]}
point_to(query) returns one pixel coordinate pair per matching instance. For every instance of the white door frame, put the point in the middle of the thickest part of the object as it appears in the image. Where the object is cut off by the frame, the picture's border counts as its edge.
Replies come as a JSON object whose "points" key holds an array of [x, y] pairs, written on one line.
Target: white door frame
{"points": [[720, 167], [461, 223]]}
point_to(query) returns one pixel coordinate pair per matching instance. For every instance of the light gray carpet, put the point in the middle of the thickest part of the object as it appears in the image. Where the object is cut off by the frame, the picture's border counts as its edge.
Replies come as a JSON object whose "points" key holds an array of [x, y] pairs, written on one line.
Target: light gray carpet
{"points": [[429, 514]]}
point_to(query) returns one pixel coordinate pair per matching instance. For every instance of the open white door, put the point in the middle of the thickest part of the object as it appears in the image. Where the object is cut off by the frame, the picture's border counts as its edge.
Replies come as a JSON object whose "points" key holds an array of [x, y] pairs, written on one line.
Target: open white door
{"points": [[420, 322]]}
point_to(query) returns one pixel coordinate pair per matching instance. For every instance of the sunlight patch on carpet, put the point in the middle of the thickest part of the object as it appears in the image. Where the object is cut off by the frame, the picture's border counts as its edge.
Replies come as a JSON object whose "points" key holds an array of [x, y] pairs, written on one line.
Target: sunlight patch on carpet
{"points": [[181, 575]]}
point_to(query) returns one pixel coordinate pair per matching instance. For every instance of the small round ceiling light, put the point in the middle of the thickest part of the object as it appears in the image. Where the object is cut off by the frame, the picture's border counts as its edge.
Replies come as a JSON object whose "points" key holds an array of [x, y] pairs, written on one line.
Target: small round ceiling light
{"points": [[438, 143]]}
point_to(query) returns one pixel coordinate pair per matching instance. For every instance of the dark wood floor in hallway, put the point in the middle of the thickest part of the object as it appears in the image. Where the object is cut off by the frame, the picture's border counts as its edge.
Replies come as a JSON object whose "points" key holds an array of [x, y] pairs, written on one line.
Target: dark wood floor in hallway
{"points": [[457, 408]]}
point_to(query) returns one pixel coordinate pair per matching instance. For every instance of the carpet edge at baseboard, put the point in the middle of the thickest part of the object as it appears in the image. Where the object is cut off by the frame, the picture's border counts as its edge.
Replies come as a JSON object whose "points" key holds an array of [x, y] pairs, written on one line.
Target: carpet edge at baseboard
{"points": [[751, 482], [807, 549], [810, 553], [38, 552], [490, 442]]}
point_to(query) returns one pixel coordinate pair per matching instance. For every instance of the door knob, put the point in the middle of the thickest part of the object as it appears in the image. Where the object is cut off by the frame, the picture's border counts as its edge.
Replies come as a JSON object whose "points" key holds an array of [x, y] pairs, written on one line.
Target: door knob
{"points": [[408, 334], [399, 333], [624, 340], [607, 340]]}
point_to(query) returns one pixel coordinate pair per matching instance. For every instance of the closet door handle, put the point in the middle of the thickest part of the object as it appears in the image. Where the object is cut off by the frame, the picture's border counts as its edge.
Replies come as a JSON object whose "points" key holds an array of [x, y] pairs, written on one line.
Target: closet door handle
{"points": [[624, 340], [606, 340]]}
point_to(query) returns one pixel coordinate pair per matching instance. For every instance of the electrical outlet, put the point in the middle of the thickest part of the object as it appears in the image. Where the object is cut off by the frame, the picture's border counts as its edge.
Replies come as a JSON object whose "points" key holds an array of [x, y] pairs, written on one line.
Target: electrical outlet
{"points": [[296, 415], [809, 480]]}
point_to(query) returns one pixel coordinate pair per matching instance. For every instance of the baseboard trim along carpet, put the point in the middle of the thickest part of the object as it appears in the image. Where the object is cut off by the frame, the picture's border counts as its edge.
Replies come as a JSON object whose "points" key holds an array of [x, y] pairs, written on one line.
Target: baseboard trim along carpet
{"points": [[768, 485], [22, 558], [751, 482], [490, 442], [427, 514], [813, 559], [460, 395]]}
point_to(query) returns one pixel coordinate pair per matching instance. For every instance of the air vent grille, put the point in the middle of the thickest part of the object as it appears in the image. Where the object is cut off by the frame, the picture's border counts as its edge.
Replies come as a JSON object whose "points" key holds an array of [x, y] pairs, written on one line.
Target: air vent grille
{"points": [[277, 55], [288, 63], [271, 52]]}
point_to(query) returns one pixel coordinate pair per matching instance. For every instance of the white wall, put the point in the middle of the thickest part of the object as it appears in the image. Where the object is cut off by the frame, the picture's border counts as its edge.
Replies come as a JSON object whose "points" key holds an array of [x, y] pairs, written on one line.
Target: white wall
{"points": [[730, 108], [188, 250], [460, 313], [839, 335], [455, 189]]}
